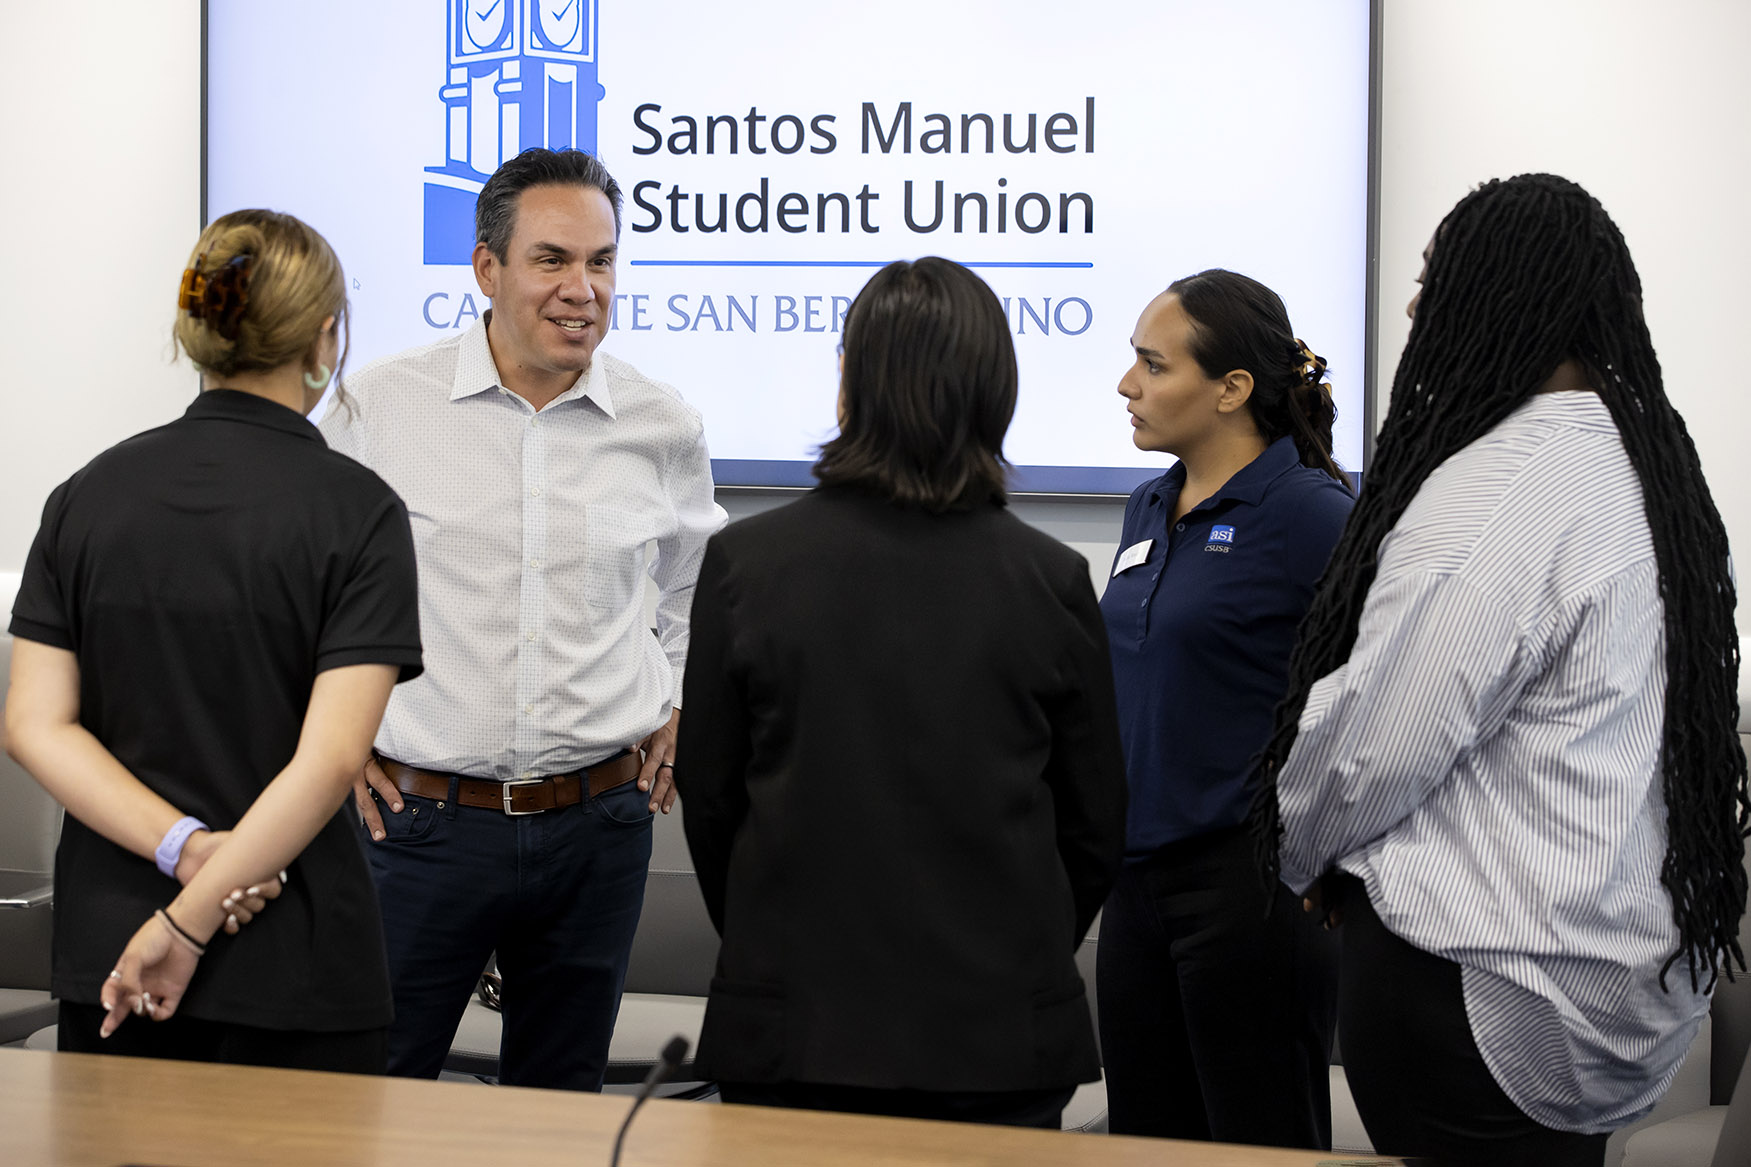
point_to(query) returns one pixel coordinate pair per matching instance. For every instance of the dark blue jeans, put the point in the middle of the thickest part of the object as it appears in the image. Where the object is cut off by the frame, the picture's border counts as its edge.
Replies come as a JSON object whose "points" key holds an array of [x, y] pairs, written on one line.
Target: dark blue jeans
{"points": [[557, 895]]}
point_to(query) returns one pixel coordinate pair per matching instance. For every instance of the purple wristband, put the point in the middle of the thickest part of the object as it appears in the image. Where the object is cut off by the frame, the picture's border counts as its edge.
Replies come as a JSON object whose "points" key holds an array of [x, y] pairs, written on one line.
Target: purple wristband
{"points": [[170, 848]]}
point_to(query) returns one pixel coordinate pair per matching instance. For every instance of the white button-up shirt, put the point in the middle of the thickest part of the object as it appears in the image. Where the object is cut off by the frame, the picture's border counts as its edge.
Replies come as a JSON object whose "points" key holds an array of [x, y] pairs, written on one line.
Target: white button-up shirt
{"points": [[1488, 762], [532, 530]]}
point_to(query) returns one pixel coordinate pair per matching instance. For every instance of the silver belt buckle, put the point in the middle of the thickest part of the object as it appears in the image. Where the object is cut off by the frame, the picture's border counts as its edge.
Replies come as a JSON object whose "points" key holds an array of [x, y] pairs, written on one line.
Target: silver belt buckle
{"points": [[506, 787]]}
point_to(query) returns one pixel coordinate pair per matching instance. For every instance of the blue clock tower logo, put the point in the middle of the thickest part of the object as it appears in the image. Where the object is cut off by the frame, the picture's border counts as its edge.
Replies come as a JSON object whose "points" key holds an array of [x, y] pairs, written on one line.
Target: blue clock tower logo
{"points": [[521, 73]]}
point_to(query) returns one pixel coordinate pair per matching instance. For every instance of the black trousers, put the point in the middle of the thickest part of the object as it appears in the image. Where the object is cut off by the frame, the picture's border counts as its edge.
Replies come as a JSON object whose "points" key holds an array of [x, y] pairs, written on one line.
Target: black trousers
{"points": [[1031, 1108], [191, 1039], [1215, 1018], [1414, 1068]]}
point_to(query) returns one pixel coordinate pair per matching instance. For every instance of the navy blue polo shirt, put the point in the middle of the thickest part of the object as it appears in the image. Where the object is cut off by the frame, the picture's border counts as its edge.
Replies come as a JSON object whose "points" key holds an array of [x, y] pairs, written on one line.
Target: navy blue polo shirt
{"points": [[1201, 625]]}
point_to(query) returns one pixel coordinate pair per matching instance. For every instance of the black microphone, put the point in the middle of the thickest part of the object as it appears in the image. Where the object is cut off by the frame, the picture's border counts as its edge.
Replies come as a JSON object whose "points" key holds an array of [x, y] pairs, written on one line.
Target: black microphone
{"points": [[667, 1063]]}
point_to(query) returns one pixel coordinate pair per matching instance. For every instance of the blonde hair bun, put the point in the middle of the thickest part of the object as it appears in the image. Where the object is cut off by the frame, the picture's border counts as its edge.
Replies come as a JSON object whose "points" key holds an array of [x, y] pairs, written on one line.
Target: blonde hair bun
{"points": [[290, 284]]}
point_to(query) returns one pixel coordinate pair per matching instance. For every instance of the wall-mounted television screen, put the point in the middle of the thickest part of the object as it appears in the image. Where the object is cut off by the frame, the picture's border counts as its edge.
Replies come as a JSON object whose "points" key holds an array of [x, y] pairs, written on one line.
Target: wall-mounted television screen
{"points": [[773, 154]]}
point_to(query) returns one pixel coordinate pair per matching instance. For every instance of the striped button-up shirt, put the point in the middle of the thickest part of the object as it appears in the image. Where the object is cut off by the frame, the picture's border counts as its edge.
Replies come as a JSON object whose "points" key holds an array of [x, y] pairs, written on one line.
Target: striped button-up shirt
{"points": [[531, 529], [1487, 762]]}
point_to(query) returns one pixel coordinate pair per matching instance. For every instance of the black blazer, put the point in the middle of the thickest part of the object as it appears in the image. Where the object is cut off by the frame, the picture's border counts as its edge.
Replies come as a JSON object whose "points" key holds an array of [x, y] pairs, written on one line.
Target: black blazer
{"points": [[904, 793]]}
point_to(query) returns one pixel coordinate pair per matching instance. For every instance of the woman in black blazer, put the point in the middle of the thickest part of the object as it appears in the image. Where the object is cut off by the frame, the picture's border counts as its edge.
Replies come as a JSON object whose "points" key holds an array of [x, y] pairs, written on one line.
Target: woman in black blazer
{"points": [[900, 762]]}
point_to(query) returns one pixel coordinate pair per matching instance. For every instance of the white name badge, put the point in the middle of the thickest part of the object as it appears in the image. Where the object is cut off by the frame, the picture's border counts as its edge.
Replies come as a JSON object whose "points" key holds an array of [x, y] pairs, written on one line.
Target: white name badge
{"points": [[1133, 555]]}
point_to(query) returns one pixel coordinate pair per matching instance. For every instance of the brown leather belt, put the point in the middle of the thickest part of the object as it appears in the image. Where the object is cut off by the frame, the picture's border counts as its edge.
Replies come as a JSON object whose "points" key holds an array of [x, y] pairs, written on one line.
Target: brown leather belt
{"points": [[517, 795]]}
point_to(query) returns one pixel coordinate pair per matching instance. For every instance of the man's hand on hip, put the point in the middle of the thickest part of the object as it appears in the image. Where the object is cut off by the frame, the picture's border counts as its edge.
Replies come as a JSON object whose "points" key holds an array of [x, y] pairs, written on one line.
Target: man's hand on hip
{"points": [[658, 774], [373, 778]]}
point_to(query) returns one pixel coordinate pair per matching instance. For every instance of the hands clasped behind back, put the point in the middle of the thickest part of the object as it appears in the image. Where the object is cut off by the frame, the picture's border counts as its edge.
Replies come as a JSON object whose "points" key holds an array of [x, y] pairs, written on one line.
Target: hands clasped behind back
{"points": [[243, 904], [150, 977], [155, 968]]}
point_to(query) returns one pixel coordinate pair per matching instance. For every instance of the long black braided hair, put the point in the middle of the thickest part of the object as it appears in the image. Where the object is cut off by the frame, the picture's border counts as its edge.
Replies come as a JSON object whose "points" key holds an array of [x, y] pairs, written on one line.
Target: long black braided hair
{"points": [[1525, 274]]}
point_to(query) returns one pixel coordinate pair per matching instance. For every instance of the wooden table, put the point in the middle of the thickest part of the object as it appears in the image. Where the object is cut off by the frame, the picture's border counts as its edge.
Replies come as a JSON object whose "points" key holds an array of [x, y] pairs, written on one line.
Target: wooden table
{"points": [[90, 1109]]}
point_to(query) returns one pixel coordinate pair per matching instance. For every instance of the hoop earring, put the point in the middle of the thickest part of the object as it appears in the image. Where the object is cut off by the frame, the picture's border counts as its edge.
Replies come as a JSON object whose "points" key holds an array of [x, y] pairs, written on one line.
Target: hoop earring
{"points": [[321, 382]]}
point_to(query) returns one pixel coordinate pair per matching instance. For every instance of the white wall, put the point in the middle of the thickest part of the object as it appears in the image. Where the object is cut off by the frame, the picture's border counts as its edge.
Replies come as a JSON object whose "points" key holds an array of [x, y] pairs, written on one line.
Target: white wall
{"points": [[1644, 104], [101, 203]]}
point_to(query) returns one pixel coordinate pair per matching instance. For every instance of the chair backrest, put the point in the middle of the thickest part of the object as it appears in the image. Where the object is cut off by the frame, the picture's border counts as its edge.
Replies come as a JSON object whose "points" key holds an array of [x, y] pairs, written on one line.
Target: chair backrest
{"points": [[30, 821], [1730, 1014], [675, 949], [1087, 955], [30, 825], [1734, 1147]]}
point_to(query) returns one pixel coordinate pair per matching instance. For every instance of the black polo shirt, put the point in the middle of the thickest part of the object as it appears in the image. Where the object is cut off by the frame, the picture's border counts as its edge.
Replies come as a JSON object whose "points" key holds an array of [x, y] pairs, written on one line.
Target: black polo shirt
{"points": [[203, 573], [1201, 616]]}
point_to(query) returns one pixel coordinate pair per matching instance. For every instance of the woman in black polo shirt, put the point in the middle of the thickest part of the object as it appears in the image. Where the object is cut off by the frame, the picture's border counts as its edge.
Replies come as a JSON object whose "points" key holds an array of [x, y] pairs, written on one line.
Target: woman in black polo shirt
{"points": [[1216, 1021], [210, 622]]}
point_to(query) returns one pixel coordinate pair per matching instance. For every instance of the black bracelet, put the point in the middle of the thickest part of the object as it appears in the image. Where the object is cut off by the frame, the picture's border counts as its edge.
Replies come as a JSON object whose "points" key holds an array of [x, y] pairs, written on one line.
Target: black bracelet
{"points": [[199, 948]]}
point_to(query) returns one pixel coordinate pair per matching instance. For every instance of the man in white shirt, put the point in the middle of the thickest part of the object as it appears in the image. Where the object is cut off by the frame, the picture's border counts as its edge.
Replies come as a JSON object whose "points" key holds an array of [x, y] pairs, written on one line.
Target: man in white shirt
{"points": [[510, 802]]}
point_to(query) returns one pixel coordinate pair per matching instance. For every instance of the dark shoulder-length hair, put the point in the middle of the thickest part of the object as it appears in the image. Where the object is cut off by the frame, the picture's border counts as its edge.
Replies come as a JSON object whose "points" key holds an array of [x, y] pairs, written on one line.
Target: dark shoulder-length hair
{"points": [[928, 389]]}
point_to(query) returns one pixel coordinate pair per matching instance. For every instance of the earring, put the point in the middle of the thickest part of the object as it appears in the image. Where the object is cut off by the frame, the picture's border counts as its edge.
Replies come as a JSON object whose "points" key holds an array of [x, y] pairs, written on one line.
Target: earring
{"points": [[321, 382]]}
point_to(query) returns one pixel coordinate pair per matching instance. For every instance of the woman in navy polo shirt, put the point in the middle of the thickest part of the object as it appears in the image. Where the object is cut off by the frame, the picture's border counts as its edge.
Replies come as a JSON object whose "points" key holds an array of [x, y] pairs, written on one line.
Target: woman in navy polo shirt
{"points": [[1216, 1020], [208, 628]]}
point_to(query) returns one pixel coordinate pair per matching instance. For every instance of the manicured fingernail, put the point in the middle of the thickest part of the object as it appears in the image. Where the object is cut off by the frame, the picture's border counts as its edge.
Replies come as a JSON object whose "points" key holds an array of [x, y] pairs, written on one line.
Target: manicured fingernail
{"points": [[282, 877], [643, 785], [253, 892], [231, 919], [378, 835], [396, 807]]}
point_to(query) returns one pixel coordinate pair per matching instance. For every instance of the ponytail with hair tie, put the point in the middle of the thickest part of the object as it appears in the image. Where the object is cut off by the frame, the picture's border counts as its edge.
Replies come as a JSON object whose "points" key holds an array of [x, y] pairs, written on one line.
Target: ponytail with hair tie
{"points": [[1238, 323], [1313, 366], [1312, 411]]}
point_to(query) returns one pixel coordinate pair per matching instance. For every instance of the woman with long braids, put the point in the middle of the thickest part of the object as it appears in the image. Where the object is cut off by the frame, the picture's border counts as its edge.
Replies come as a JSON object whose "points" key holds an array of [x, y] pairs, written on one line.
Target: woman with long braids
{"points": [[1216, 1020], [1508, 746]]}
